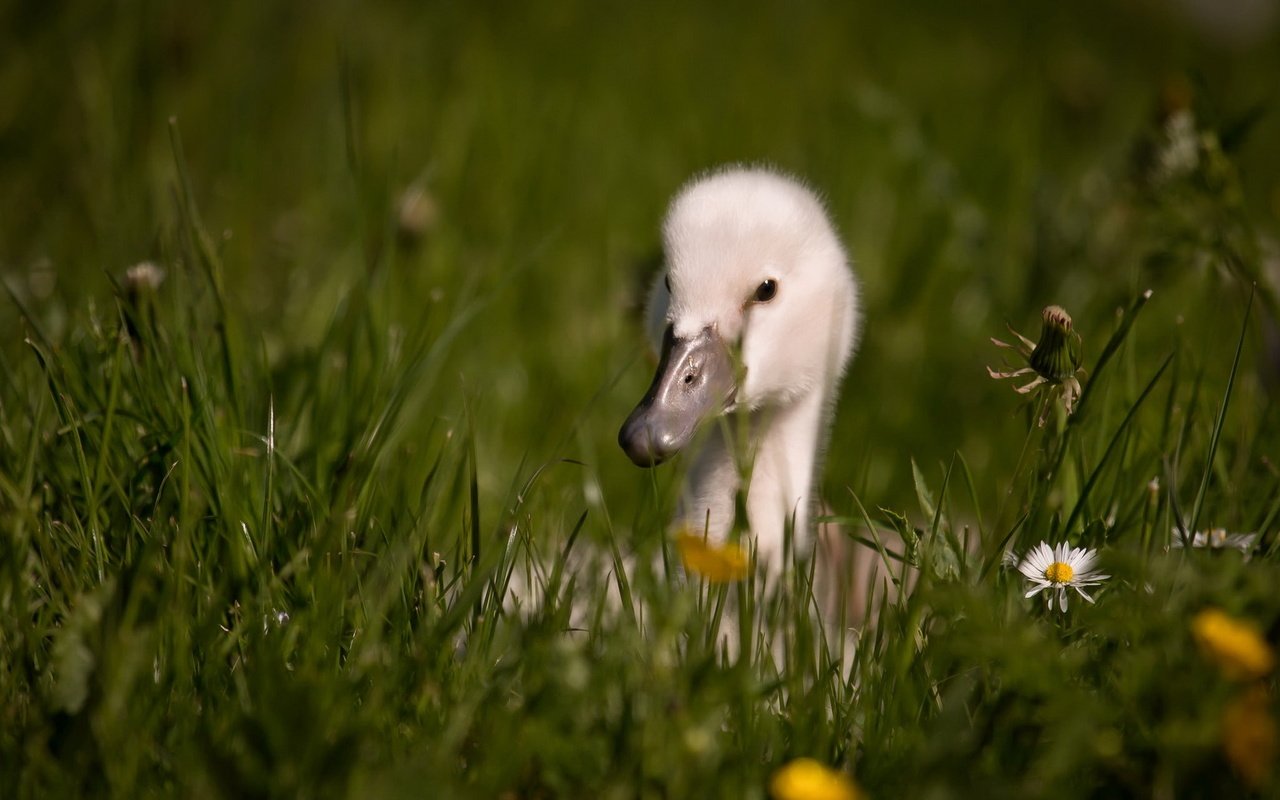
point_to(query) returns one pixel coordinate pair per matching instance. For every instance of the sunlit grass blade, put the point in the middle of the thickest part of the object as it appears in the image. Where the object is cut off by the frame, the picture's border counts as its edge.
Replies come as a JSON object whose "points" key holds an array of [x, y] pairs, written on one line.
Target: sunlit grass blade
{"points": [[1196, 509], [207, 255], [1107, 453], [1109, 349]]}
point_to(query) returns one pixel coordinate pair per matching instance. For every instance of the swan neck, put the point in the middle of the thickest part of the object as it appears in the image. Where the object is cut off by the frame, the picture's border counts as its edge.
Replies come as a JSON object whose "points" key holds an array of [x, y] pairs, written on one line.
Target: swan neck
{"points": [[780, 459]]}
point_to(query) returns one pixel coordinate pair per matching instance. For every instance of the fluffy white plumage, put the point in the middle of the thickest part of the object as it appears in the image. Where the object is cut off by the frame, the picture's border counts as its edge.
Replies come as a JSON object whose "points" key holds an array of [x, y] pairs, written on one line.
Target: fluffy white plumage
{"points": [[726, 234]]}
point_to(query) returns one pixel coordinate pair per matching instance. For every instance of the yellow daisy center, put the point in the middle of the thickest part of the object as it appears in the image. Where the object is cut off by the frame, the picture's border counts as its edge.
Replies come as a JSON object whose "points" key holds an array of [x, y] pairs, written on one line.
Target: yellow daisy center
{"points": [[1058, 572]]}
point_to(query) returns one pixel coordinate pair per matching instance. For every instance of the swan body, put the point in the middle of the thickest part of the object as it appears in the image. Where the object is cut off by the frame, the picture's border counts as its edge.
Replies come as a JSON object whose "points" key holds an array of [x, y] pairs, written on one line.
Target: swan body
{"points": [[756, 312]]}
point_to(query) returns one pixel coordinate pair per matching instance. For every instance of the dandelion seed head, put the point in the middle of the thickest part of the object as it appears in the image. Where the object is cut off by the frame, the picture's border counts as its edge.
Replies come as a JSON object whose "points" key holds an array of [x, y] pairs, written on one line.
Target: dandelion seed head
{"points": [[1052, 358], [1057, 317], [143, 278], [1180, 154], [416, 214]]}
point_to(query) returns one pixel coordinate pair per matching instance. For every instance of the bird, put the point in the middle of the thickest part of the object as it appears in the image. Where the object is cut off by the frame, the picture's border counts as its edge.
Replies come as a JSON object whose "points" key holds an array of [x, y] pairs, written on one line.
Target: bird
{"points": [[755, 317]]}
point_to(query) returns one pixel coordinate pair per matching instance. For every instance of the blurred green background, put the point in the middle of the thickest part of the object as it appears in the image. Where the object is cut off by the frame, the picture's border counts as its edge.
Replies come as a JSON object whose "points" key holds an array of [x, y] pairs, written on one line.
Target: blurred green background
{"points": [[259, 546], [982, 160]]}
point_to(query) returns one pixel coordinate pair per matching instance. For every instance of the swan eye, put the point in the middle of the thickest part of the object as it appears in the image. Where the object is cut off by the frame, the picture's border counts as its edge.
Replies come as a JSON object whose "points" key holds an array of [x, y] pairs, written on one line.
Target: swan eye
{"points": [[666, 281], [766, 291]]}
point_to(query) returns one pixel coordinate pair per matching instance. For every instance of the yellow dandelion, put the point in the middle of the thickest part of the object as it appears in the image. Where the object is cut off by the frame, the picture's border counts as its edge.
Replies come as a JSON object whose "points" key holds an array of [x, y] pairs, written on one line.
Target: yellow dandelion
{"points": [[1234, 644], [718, 563], [1249, 737], [806, 779]]}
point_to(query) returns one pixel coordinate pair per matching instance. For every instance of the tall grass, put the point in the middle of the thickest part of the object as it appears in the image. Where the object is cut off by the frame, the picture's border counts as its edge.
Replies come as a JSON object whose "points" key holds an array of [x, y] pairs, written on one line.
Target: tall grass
{"points": [[335, 509]]}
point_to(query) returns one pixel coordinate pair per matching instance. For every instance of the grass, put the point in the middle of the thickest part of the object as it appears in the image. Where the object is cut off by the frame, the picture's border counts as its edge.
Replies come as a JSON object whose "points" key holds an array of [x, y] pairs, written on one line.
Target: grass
{"points": [[258, 522]]}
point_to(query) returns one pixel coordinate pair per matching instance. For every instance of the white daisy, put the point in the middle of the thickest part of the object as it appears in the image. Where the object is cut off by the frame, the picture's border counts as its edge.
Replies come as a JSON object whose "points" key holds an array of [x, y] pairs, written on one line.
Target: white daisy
{"points": [[1058, 569], [1216, 539]]}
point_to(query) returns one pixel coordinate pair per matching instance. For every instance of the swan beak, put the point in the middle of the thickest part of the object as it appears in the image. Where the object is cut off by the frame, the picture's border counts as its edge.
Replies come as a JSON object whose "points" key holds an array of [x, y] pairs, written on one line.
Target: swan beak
{"points": [[695, 380]]}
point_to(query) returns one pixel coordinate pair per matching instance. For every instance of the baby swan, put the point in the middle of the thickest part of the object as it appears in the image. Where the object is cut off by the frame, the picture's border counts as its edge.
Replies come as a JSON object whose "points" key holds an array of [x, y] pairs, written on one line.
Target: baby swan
{"points": [[757, 312]]}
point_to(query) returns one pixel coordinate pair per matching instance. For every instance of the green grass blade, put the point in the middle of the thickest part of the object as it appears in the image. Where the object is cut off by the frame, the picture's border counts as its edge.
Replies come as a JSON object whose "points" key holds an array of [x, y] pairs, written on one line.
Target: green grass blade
{"points": [[1219, 422], [1111, 446]]}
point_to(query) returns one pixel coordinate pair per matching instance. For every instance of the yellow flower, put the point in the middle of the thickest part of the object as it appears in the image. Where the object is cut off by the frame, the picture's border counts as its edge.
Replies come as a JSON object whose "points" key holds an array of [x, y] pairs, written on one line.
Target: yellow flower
{"points": [[806, 779], [1235, 644], [1249, 737], [718, 563]]}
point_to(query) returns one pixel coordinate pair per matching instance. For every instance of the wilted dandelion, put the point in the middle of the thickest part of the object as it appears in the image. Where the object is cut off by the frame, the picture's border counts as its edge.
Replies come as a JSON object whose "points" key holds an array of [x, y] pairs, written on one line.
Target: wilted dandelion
{"points": [[141, 283], [1235, 645], [1216, 539], [143, 277], [416, 214], [718, 563], [1054, 360], [1249, 737], [1060, 569], [807, 779]]}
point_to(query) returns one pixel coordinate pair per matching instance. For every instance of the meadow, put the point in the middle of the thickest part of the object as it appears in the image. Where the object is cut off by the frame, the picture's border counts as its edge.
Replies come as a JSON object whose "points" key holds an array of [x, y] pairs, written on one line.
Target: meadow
{"points": [[319, 321]]}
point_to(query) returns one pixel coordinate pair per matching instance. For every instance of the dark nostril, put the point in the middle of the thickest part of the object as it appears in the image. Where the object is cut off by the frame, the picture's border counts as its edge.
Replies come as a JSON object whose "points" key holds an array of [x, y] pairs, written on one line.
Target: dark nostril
{"points": [[688, 379]]}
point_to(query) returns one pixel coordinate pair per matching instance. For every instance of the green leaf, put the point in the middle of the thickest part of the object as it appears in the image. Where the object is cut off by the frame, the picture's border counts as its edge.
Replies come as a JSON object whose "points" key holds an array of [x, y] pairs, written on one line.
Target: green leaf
{"points": [[923, 495]]}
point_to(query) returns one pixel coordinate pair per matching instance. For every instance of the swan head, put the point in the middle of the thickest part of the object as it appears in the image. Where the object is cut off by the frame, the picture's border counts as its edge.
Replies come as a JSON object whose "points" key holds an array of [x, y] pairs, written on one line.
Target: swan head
{"points": [[757, 307]]}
